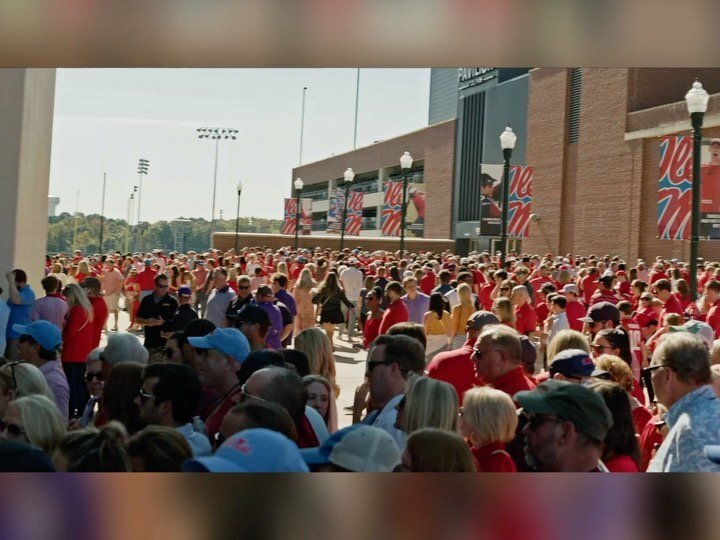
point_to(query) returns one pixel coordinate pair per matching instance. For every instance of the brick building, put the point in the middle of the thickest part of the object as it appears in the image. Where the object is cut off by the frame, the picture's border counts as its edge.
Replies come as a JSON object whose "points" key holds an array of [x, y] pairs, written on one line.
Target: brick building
{"points": [[594, 141]]}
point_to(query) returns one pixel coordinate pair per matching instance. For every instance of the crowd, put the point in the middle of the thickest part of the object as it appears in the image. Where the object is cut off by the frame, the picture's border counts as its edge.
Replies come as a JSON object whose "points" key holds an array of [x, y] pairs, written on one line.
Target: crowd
{"points": [[535, 363]]}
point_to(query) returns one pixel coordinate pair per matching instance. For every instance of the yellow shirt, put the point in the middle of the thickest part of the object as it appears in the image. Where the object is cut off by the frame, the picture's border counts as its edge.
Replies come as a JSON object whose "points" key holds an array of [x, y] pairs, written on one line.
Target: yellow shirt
{"points": [[435, 326], [460, 315]]}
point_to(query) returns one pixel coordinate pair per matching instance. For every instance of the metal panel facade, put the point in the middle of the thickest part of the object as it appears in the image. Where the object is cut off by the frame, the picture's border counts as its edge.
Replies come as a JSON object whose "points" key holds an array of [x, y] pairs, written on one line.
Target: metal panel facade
{"points": [[443, 94]]}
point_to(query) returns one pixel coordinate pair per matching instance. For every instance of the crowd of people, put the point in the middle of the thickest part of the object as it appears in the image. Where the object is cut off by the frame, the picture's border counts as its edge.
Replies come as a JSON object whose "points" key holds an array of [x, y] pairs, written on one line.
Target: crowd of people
{"points": [[533, 363]]}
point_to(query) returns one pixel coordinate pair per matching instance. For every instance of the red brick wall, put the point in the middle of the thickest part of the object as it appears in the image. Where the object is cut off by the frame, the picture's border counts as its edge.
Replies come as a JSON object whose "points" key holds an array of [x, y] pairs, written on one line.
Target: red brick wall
{"points": [[650, 87]]}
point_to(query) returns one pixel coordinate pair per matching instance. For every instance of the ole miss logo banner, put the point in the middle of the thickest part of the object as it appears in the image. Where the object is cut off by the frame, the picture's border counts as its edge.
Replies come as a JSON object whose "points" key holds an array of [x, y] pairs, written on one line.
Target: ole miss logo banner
{"points": [[354, 213], [335, 210], [675, 189], [392, 209], [290, 216], [519, 201]]}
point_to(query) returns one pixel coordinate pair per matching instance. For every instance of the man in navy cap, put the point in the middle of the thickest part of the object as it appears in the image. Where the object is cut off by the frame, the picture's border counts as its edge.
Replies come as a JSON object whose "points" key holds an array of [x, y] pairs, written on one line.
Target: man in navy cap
{"points": [[38, 344], [574, 365]]}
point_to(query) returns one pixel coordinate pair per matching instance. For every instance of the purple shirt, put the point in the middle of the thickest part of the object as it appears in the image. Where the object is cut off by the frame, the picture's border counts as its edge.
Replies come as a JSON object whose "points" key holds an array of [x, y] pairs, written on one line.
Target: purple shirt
{"points": [[286, 298], [52, 309], [57, 381], [418, 307]]}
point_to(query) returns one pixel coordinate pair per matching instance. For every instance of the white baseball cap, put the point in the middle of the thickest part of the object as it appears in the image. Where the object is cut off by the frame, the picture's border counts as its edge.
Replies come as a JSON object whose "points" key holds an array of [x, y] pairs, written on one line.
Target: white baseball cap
{"points": [[366, 449]]}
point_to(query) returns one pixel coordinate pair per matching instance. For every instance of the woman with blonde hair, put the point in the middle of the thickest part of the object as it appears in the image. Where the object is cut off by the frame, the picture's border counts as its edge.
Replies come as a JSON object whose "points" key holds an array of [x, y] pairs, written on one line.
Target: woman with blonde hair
{"points": [[437, 450], [505, 311], [428, 403], [564, 340], [302, 293], [461, 313], [83, 271], [78, 341], [316, 346], [321, 397], [35, 420], [57, 271], [20, 379], [488, 420]]}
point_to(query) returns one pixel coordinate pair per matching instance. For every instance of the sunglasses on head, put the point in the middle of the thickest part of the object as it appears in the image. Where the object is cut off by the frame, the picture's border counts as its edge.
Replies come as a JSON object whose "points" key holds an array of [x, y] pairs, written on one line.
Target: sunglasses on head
{"points": [[12, 372]]}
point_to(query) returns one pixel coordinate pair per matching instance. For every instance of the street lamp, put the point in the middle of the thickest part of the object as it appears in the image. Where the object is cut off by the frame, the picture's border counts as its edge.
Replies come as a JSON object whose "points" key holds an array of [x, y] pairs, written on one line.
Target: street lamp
{"points": [[217, 134], [697, 101], [129, 219], [143, 166], [237, 218], [349, 177], [298, 189], [507, 143], [406, 162]]}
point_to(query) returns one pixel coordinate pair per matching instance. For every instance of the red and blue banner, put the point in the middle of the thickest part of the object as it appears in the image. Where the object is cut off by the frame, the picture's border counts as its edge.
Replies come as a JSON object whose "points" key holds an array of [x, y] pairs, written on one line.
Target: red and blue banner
{"points": [[675, 189], [354, 213], [392, 208], [290, 216], [335, 210], [519, 201]]}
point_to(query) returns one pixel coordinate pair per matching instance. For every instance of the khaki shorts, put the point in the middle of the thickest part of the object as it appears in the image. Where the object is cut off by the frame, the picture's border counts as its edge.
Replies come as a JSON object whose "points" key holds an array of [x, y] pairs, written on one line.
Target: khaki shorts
{"points": [[112, 301]]}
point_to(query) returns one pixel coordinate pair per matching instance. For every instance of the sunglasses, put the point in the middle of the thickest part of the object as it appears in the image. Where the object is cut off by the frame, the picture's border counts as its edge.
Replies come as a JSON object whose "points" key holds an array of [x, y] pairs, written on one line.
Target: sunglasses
{"points": [[144, 396], [13, 430], [90, 375], [534, 421], [245, 395], [599, 348], [218, 439], [373, 365], [504, 288], [12, 372]]}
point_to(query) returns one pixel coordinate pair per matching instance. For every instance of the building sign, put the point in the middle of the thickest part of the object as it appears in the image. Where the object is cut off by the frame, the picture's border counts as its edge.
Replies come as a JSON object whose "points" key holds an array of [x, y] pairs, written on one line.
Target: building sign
{"points": [[675, 189], [468, 77]]}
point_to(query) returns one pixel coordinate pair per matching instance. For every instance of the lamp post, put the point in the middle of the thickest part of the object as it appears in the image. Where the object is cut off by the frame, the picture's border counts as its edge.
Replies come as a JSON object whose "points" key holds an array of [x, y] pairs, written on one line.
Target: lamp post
{"points": [[129, 219], [143, 167], [217, 134], [697, 101], [237, 217], [507, 143], [102, 215], [298, 189], [349, 177], [406, 162]]}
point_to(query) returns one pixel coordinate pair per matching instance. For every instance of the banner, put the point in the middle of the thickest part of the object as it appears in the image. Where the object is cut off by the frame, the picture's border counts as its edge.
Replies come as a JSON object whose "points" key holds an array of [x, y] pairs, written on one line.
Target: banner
{"points": [[519, 201], [710, 192], [290, 216], [675, 188], [354, 213], [490, 193], [336, 200], [392, 209]]}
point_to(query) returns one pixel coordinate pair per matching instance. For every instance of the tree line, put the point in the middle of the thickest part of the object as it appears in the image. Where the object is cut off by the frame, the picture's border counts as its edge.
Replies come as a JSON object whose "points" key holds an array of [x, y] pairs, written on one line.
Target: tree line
{"points": [[67, 232]]}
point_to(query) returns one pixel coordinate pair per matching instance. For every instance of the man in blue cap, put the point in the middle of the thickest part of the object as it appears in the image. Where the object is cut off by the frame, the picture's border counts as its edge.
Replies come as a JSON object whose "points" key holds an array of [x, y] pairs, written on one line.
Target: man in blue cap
{"points": [[219, 357], [38, 344], [575, 365]]}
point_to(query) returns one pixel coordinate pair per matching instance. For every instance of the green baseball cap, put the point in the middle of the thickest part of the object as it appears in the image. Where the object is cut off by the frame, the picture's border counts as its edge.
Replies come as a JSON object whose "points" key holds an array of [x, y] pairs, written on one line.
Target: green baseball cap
{"points": [[572, 402]]}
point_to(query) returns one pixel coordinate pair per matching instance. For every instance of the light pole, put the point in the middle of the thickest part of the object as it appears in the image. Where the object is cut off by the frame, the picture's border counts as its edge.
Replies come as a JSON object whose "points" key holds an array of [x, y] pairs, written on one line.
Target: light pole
{"points": [[349, 177], [298, 189], [697, 101], [127, 224], [406, 162], [507, 143], [143, 166], [217, 134], [102, 215], [237, 217]]}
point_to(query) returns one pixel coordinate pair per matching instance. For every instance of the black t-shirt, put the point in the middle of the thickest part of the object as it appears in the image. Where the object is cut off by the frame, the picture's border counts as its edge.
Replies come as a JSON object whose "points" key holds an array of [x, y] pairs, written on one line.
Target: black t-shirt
{"points": [[236, 305], [287, 318], [184, 315], [150, 309]]}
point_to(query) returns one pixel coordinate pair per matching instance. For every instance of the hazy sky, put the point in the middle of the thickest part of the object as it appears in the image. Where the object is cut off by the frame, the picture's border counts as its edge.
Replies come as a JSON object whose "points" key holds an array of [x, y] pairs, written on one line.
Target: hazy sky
{"points": [[106, 119]]}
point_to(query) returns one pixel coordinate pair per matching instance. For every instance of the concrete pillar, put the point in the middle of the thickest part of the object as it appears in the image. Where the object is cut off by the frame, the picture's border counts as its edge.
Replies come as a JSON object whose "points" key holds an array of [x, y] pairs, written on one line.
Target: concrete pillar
{"points": [[382, 176], [26, 118]]}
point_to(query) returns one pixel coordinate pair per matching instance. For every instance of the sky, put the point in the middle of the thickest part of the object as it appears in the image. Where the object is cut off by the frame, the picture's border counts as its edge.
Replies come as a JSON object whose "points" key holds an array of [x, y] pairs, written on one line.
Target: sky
{"points": [[107, 119]]}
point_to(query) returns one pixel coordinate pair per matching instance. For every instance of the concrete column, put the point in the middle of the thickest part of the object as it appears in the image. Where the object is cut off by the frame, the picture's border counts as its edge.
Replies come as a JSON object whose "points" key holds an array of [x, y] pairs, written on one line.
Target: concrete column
{"points": [[27, 99], [382, 176]]}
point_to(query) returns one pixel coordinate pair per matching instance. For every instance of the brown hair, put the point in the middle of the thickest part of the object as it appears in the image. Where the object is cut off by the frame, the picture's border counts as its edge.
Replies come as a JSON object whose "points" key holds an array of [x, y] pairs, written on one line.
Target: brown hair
{"points": [[436, 450]]}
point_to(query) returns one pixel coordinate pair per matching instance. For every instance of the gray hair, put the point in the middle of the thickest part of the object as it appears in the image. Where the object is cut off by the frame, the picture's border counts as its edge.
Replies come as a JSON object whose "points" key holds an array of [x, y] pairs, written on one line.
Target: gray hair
{"points": [[124, 347], [94, 355], [686, 355]]}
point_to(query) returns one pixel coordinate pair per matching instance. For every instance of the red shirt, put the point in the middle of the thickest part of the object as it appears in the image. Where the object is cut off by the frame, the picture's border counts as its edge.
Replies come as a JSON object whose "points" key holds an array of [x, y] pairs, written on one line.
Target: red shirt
{"points": [[146, 279], [641, 416], [621, 464], [650, 439], [78, 336], [684, 302], [427, 283], [574, 311], [455, 368], [493, 458], [395, 313], [542, 312], [100, 316], [539, 281], [485, 292], [671, 306], [713, 318], [656, 276], [212, 422], [589, 285], [604, 296], [306, 435], [512, 382], [525, 319], [371, 331]]}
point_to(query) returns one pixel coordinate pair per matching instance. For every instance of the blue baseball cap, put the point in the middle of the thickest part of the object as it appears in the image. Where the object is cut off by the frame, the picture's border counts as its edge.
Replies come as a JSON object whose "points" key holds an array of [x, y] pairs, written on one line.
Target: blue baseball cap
{"points": [[229, 341], [253, 451], [44, 332], [574, 363], [712, 452]]}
